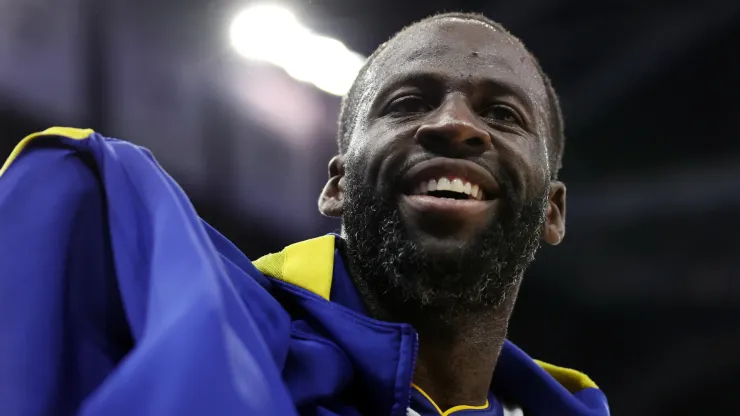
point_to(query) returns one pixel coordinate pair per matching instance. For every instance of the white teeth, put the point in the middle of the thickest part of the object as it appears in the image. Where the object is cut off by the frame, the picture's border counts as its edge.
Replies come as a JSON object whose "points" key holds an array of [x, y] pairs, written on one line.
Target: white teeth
{"points": [[457, 185], [432, 185], [443, 184], [451, 185]]}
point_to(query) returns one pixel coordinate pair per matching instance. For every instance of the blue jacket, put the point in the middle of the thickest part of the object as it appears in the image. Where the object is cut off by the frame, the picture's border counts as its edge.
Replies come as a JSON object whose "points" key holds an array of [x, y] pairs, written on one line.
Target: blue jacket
{"points": [[117, 299]]}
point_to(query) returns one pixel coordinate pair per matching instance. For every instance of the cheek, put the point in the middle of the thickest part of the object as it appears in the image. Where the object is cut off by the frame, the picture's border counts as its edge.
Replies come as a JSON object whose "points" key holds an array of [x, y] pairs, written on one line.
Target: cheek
{"points": [[540, 160], [364, 158], [543, 145], [539, 170], [378, 142], [528, 161], [367, 138]]}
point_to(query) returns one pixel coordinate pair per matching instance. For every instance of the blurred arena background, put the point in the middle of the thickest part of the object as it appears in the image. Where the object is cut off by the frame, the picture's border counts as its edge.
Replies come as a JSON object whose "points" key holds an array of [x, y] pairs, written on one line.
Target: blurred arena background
{"points": [[240, 104]]}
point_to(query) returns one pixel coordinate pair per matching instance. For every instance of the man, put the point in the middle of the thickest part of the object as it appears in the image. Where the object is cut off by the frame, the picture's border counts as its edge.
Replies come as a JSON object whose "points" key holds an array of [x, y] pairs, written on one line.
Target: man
{"points": [[118, 299]]}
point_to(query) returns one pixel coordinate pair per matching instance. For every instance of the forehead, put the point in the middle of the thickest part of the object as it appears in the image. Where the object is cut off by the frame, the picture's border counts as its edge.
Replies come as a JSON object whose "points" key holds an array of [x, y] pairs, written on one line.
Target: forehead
{"points": [[459, 49]]}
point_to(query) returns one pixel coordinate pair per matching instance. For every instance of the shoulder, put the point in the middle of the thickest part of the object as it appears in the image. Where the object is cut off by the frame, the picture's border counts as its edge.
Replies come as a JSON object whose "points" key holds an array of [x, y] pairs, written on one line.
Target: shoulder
{"points": [[46, 162], [537, 385]]}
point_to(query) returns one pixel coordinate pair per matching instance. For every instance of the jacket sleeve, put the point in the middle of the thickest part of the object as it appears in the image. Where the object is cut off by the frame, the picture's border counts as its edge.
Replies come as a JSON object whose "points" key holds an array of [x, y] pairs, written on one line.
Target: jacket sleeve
{"points": [[113, 301], [61, 326]]}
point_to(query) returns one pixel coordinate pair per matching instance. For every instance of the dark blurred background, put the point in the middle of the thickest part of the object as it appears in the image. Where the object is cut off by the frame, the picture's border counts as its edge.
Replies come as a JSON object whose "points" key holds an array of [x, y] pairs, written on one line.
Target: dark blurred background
{"points": [[643, 294]]}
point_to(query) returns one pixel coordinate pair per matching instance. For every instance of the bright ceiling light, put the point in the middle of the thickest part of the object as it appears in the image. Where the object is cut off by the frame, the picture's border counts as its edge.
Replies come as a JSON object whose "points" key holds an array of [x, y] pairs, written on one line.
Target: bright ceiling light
{"points": [[271, 33]]}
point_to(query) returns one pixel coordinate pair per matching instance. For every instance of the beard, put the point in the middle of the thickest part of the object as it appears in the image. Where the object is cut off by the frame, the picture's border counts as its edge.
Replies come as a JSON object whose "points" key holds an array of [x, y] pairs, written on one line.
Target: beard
{"points": [[396, 275]]}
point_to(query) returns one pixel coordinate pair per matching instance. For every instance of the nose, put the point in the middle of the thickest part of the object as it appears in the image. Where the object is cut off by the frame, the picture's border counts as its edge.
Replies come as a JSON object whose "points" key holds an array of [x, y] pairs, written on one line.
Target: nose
{"points": [[454, 130]]}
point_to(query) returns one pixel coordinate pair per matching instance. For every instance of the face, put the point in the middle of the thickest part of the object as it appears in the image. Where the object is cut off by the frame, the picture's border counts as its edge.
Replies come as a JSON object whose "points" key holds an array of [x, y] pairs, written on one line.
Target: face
{"points": [[444, 191]]}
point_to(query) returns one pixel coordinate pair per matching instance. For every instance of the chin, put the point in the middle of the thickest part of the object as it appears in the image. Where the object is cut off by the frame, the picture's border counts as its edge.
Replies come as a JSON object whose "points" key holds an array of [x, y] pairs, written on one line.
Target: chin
{"points": [[445, 244], [446, 236]]}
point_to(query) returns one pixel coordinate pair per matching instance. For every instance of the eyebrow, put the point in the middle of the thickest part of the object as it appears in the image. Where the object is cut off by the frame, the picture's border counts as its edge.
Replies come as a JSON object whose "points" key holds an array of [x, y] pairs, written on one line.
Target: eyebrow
{"points": [[422, 79], [503, 86], [412, 79]]}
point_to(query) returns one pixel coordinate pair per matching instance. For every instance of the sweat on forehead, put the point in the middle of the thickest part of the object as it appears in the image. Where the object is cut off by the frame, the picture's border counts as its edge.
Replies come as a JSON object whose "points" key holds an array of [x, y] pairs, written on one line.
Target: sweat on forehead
{"points": [[452, 38]]}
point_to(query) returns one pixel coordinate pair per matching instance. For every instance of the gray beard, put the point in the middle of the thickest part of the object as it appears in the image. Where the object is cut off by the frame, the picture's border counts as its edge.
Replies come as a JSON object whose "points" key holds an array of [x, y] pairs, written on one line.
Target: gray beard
{"points": [[398, 279]]}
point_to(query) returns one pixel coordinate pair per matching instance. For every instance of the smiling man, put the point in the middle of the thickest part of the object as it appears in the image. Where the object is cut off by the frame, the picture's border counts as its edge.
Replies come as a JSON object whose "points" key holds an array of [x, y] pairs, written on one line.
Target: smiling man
{"points": [[118, 299]]}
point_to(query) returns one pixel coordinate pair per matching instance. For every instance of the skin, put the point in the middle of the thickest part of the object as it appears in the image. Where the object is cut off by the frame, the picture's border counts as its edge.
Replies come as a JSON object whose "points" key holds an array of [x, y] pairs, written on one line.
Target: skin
{"points": [[461, 90]]}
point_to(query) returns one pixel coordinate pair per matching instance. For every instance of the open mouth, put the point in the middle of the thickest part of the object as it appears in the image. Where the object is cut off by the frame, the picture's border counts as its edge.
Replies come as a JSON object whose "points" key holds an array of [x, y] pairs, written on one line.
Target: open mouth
{"points": [[450, 188], [449, 191]]}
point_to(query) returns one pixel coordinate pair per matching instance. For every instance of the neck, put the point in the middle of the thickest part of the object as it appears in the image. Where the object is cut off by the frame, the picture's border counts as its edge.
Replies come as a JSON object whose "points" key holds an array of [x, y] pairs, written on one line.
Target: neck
{"points": [[455, 365], [456, 368], [457, 354]]}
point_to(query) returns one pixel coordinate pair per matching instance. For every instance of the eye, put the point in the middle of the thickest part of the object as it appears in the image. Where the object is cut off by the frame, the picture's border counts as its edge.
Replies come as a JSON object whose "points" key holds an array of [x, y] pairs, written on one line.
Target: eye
{"points": [[502, 114], [408, 105]]}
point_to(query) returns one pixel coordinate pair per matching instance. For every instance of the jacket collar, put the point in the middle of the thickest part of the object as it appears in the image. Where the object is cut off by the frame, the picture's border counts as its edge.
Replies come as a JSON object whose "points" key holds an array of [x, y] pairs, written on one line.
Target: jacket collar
{"points": [[383, 354]]}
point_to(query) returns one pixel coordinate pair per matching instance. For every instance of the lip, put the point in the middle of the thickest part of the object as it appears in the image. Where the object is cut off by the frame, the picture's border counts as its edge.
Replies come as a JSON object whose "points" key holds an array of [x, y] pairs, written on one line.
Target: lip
{"points": [[452, 168], [446, 215], [448, 208]]}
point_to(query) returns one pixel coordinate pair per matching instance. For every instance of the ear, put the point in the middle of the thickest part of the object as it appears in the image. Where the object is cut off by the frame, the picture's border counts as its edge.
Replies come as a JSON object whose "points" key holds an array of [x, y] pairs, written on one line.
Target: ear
{"points": [[554, 230], [331, 200]]}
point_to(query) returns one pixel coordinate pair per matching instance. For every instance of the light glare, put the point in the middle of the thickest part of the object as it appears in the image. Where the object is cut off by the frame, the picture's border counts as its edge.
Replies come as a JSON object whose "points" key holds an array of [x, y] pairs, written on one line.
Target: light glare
{"points": [[272, 34]]}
